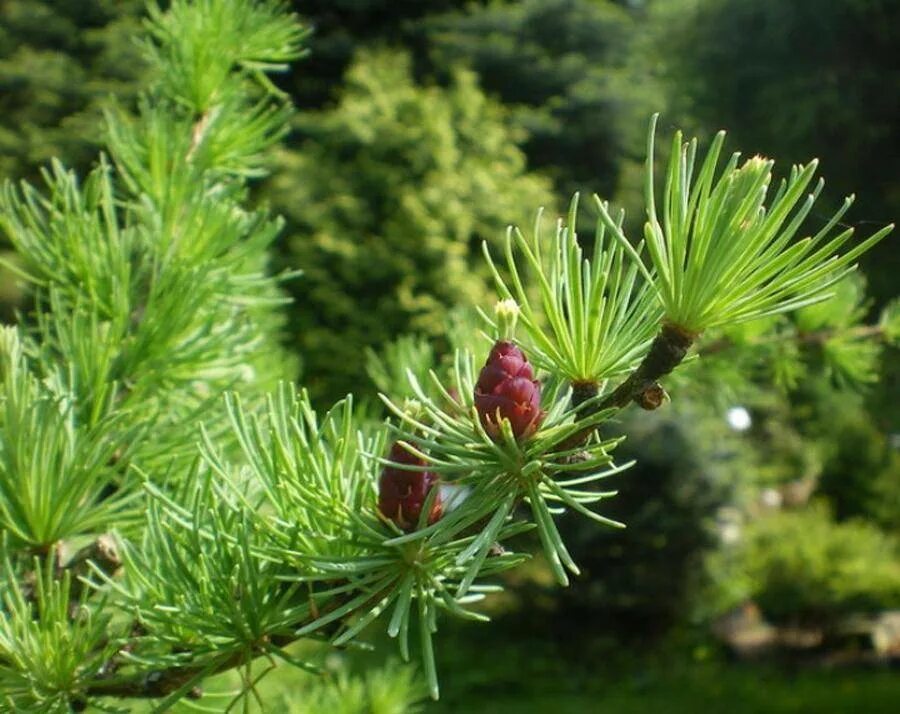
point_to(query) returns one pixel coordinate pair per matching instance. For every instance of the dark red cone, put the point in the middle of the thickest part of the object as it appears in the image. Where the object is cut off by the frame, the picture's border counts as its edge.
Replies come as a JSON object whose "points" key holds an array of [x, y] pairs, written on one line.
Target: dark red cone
{"points": [[402, 493], [506, 389]]}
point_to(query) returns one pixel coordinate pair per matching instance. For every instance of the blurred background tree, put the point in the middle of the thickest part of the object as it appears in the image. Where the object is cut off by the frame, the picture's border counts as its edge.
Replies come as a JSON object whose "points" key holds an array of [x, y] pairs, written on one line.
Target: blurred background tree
{"points": [[640, 583], [59, 61], [796, 80], [571, 73], [400, 184]]}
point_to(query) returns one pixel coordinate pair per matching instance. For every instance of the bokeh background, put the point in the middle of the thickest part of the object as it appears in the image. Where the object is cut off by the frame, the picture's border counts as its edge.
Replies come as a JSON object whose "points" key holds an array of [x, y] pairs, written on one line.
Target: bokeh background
{"points": [[760, 571]]}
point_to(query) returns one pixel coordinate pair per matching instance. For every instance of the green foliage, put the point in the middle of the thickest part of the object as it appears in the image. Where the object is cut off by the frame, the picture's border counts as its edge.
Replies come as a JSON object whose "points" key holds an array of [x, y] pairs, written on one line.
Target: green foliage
{"points": [[521, 675], [890, 322], [570, 69], [151, 297], [158, 296], [388, 369], [392, 689], [448, 433], [738, 363], [52, 641], [641, 582], [827, 343], [847, 352], [796, 80], [58, 64], [860, 471], [595, 318], [251, 38], [262, 547], [343, 27], [54, 470], [802, 566], [351, 681], [204, 556], [388, 197], [720, 255]]}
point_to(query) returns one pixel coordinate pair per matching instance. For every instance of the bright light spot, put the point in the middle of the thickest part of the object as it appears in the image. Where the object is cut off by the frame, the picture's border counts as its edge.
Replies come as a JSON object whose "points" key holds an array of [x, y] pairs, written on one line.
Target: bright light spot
{"points": [[730, 533], [738, 418], [770, 498], [453, 495]]}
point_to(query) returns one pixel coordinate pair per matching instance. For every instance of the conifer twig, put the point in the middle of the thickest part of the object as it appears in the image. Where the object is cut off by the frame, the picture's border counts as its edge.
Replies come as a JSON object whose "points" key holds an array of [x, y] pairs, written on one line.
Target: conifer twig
{"points": [[668, 349]]}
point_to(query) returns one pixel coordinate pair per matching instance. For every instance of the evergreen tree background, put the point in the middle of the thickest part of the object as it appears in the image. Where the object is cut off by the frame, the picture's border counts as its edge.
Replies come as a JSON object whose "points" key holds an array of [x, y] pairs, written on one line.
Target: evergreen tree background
{"points": [[59, 62], [795, 80], [402, 182], [426, 127], [571, 72]]}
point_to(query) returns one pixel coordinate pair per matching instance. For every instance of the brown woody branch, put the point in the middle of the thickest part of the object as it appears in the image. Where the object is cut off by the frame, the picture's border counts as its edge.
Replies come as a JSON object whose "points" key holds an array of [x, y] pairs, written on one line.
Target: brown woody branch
{"points": [[668, 349], [160, 683], [163, 682]]}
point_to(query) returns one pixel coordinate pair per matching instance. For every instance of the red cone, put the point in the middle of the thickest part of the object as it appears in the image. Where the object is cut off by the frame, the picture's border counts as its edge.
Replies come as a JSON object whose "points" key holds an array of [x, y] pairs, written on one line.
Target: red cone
{"points": [[506, 389], [402, 493]]}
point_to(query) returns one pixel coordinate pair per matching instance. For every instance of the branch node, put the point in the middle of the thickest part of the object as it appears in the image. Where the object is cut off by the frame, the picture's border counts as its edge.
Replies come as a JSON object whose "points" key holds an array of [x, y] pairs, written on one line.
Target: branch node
{"points": [[652, 397]]}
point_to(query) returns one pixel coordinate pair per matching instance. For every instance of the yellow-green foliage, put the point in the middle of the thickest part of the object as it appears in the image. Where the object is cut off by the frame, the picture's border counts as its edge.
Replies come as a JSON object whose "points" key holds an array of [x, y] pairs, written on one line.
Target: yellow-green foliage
{"points": [[391, 689], [389, 196], [804, 565]]}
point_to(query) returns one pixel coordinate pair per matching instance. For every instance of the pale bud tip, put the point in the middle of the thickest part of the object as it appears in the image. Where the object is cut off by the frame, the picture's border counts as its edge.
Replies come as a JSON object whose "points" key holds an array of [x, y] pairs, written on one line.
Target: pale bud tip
{"points": [[507, 308], [507, 312]]}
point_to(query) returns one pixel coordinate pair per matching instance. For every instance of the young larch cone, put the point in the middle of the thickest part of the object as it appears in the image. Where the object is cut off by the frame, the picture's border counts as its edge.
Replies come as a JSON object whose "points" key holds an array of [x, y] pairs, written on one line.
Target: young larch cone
{"points": [[506, 389], [402, 493]]}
